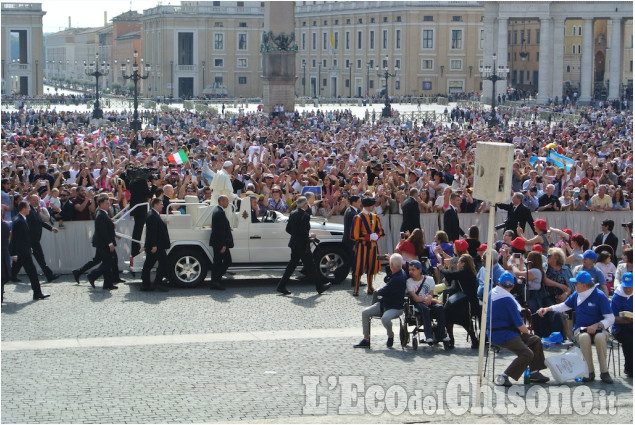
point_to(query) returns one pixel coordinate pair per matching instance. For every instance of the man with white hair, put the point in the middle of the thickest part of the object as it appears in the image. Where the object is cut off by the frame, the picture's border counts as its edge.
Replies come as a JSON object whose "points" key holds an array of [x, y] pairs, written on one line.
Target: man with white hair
{"points": [[548, 201], [222, 183], [390, 306]]}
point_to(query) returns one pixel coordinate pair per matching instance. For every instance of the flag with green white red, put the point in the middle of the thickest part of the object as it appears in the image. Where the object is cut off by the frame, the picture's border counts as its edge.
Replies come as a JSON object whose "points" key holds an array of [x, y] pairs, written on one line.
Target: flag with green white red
{"points": [[178, 158]]}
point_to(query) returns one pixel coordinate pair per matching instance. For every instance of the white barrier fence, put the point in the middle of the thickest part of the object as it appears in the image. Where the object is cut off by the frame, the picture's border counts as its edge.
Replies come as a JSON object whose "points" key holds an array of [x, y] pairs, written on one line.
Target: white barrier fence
{"points": [[70, 248]]}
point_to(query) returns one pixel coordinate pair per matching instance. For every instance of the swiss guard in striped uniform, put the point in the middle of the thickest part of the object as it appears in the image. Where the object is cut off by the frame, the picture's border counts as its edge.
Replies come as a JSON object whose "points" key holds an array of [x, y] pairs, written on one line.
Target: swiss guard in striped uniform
{"points": [[366, 231]]}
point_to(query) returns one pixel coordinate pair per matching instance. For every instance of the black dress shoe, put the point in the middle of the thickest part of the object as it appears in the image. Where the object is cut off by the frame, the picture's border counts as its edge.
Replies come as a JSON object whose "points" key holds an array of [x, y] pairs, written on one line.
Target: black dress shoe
{"points": [[76, 275], [91, 280], [41, 296], [53, 277], [110, 288], [283, 290], [323, 287], [119, 281], [390, 341], [364, 343]]}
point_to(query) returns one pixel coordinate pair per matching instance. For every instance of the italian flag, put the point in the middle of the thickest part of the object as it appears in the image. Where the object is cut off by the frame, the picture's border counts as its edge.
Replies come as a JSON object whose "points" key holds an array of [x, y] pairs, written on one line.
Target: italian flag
{"points": [[178, 158]]}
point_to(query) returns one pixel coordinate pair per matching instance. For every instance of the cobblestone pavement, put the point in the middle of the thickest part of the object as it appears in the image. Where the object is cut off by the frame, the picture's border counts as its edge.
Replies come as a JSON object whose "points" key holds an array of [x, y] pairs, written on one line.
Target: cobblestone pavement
{"points": [[242, 355]]}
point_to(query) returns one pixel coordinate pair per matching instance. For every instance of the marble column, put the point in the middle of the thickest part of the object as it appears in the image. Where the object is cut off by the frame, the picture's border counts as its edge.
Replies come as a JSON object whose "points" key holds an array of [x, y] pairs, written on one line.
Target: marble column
{"points": [[586, 72], [488, 50], [545, 88], [615, 62], [558, 57]]}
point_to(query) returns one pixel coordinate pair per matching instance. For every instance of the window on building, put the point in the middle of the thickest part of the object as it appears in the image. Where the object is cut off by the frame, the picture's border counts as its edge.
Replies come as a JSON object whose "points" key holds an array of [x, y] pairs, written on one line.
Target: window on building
{"points": [[219, 41], [324, 36], [359, 20], [303, 41], [631, 66], [336, 39], [218, 80], [313, 63], [537, 36], [240, 4], [347, 40], [304, 23], [385, 18], [579, 49], [242, 41], [359, 64], [457, 18], [242, 80], [218, 24], [242, 63], [573, 30], [371, 84], [314, 23], [573, 49], [537, 56], [347, 83], [372, 20], [323, 82], [337, 22], [242, 25], [515, 37], [428, 39], [397, 84], [359, 39], [348, 21], [384, 63], [185, 48], [216, 4], [326, 22], [428, 18], [457, 39], [218, 63], [348, 63], [371, 40], [528, 37], [568, 68], [481, 39], [456, 64], [334, 62], [397, 63], [509, 37], [323, 63], [371, 63], [397, 39], [426, 85], [398, 18], [314, 41], [580, 30], [384, 39], [427, 64]]}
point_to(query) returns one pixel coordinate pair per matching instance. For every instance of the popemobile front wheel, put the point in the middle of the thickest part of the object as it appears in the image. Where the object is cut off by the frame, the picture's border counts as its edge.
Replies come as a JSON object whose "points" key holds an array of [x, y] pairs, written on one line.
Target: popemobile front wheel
{"points": [[331, 263]]}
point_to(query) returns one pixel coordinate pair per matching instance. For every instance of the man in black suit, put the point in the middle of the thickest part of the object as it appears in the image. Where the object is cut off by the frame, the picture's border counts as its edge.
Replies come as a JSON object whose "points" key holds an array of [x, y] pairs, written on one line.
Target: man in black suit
{"points": [[517, 214], [157, 242], [139, 194], [221, 240], [410, 212], [36, 224], [104, 242], [451, 218], [607, 237], [354, 208], [6, 256], [299, 227], [20, 246]]}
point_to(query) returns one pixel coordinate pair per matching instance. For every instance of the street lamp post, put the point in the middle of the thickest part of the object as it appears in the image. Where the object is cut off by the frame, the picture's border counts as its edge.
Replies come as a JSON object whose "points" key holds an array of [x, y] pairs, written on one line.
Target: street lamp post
{"points": [[386, 111], [135, 77], [368, 79], [36, 77], [494, 74], [171, 80], [203, 63], [350, 79], [97, 70], [304, 79], [319, 77]]}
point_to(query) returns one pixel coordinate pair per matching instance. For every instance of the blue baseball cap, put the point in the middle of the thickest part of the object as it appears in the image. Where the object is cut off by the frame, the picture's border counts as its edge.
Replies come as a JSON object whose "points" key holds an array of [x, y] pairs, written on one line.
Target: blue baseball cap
{"points": [[627, 280], [506, 279], [582, 277], [590, 254], [416, 264]]}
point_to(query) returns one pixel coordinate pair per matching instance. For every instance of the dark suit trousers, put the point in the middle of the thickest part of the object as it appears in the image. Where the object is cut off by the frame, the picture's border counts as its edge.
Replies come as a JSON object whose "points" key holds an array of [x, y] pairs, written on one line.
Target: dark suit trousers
{"points": [[221, 263], [307, 259], [151, 258], [349, 247], [26, 261], [38, 254], [97, 259], [137, 230], [528, 348], [105, 268]]}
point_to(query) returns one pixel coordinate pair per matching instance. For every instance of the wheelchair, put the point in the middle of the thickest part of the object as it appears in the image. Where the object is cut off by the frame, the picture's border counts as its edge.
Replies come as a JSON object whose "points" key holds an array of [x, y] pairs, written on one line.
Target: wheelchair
{"points": [[413, 318]]}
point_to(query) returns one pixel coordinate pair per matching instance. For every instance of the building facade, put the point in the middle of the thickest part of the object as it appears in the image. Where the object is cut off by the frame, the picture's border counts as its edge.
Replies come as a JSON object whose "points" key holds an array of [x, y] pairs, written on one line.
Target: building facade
{"points": [[22, 48]]}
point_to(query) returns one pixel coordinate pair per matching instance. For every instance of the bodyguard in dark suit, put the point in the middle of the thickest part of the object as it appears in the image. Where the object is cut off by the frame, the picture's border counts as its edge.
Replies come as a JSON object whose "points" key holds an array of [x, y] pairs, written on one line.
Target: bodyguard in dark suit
{"points": [[157, 242], [517, 214], [139, 194], [36, 224], [104, 242], [20, 246], [451, 219], [607, 237], [299, 227], [6, 256], [221, 240], [410, 212], [349, 215]]}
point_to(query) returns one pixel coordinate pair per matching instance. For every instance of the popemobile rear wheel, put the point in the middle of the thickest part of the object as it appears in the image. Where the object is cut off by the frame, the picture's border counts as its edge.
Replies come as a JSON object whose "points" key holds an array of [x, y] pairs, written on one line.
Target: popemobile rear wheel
{"points": [[187, 267]]}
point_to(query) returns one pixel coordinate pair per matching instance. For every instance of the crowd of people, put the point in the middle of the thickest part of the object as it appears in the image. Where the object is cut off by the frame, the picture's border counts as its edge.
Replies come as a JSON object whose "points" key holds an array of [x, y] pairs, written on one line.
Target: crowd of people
{"points": [[62, 166]]}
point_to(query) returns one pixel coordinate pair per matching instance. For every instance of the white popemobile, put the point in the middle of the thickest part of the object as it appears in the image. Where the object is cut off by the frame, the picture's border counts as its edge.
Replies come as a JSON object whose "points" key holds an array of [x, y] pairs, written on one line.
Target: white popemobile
{"points": [[261, 245]]}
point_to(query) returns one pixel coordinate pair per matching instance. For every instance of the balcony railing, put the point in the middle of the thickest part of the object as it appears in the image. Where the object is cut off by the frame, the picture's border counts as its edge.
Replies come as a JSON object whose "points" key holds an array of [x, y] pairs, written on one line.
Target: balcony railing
{"points": [[185, 68]]}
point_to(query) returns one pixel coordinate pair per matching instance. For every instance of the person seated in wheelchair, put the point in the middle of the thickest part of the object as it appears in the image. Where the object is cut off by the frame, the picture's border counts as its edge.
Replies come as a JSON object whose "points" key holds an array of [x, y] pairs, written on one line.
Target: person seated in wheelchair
{"points": [[410, 247], [389, 306], [420, 288], [593, 318], [505, 327]]}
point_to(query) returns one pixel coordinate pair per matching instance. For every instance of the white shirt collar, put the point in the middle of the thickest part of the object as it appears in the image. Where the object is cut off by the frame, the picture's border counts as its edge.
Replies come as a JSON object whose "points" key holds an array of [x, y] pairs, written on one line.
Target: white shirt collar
{"points": [[582, 296]]}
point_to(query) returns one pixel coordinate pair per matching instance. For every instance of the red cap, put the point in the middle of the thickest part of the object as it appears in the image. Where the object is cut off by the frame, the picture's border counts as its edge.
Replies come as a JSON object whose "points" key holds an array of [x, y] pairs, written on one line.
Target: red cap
{"points": [[518, 243], [541, 224], [538, 248], [482, 247], [461, 245], [568, 232]]}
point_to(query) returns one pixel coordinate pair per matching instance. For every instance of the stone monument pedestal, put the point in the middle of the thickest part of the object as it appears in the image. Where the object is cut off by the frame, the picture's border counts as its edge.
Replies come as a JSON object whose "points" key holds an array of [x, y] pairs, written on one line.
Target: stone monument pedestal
{"points": [[278, 74]]}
